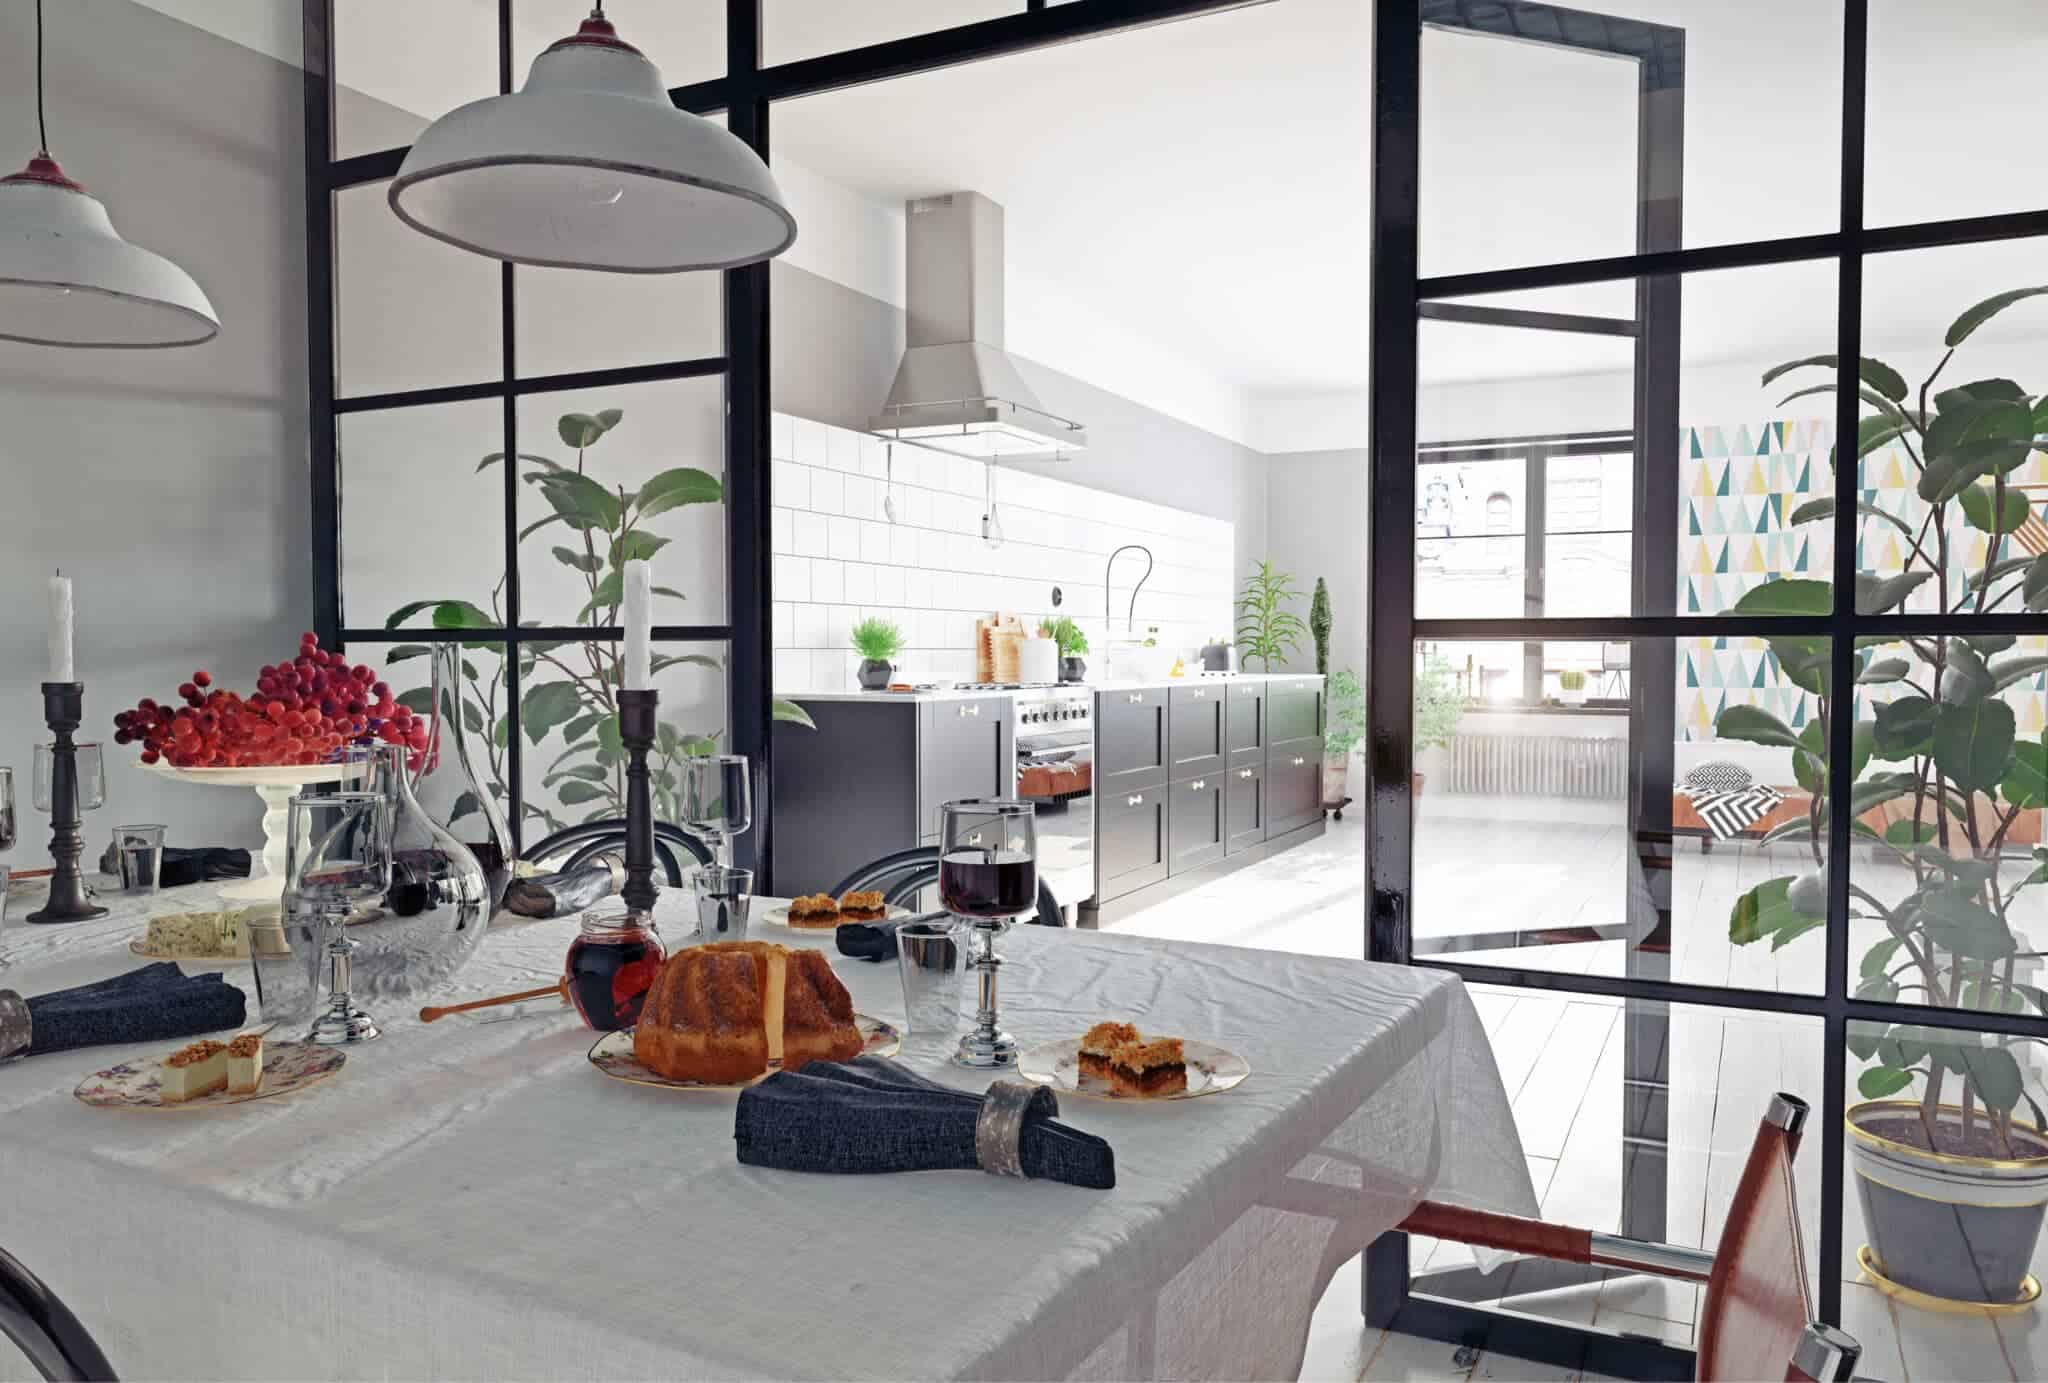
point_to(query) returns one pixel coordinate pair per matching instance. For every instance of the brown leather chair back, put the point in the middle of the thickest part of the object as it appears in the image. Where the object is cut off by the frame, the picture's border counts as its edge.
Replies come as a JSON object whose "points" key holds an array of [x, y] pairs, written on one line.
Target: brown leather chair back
{"points": [[1758, 1301]]}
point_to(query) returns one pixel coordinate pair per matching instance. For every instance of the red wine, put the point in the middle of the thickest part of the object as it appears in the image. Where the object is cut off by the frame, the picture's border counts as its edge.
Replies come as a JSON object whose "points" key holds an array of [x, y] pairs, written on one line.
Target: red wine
{"points": [[609, 976], [988, 883]]}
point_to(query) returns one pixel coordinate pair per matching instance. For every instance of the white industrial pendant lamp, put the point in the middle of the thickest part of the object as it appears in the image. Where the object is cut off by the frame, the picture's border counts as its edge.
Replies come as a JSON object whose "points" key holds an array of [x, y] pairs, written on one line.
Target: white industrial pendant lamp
{"points": [[67, 278], [591, 166]]}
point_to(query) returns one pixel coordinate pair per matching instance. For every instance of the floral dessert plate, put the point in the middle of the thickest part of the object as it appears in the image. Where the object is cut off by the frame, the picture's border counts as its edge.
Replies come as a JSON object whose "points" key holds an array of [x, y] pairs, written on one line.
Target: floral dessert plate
{"points": [[613, 1055], [287, 1066], [1211, 1070], [779, 916]]}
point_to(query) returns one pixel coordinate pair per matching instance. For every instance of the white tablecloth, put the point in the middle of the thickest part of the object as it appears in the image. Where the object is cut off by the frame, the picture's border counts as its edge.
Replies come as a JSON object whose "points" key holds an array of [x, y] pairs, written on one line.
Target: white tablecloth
{"points": [[471, 1199]]}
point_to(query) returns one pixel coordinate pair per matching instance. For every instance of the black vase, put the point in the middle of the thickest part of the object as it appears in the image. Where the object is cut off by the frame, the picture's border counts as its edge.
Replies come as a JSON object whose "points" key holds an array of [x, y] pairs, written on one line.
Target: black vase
{"points": [[1073, 669], [875, 674]]}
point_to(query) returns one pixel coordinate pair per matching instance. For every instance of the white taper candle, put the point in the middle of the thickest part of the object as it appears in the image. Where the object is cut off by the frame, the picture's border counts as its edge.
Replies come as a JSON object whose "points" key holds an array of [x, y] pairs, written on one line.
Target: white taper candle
{"points": [[639, 672], [61, 669]]}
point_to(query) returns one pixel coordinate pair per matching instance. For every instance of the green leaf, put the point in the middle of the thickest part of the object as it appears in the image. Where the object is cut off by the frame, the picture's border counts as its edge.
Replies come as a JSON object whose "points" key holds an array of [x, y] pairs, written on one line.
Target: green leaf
{"points": [[1875, 373], [1879, 989], [1978, 500], [537, 525], [1959, 331], [635, 547], [1880, 1081], [608, 741], [1815, 509], [465, 804], [582, 561], [405, 651], [790, 713], [1761, 912], [608, 418], [662, 660], [1809, 765], [1966, 680], [1979, 391], [420, 700], [1787, 597], [1877, 594], [1878, 958], [671, 592], [611, 590], [576, 790], [2013, 670], [1989, 645], [406, 612], [579, 430], [1908, 833], [460, 614], [1954, 921], [1973, 743], [547, 705], [2035, 589], [581, 726], [501, 733], [1753, 723], [1806, 660], [1873, 432], [582, 502], [682, 485], [2026, 782], [1970, 873], [495, 457], [589, 773], [1995, 1074], [1882, 670], [1863, 1040], [1905, 727]]}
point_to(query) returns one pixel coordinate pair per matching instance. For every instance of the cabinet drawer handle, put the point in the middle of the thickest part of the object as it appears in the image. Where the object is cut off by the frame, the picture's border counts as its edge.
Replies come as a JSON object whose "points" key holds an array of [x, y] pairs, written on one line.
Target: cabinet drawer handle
{"points": [[1200, 693], [1244, 773], [1135, 698], [971, 709], [1135, 801], [1299, 761], [1197, 785]]}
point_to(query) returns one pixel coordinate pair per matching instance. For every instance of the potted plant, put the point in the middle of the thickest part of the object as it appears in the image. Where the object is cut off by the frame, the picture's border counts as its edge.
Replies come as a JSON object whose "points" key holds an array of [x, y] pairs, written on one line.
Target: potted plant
{"points": [[1952, 1174], [878, 641], [1266, 629], [1438, 707], [1571, 687], [1344, 726], [1319, 624], [1072, 644]]}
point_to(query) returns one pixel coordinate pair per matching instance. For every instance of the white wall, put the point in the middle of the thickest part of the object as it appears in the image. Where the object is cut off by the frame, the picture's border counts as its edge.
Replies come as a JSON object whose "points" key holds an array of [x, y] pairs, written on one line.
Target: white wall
{"points": [[171, 485], [1317, 513]]}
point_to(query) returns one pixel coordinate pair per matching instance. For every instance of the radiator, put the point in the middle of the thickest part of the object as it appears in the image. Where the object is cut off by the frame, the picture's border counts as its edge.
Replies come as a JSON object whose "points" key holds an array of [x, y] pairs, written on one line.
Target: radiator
{"points": [[1539, 766]]}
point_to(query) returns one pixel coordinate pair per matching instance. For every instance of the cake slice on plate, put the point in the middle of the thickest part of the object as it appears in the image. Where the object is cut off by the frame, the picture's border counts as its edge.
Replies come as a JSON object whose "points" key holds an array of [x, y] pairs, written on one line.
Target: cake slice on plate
{"points": [[192, 1071], [245, 1063], [1158, 1067]]}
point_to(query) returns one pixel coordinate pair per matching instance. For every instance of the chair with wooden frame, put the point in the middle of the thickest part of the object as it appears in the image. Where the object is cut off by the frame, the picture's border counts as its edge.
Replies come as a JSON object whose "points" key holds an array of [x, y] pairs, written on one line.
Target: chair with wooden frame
{"points": [[1756, 1321]]}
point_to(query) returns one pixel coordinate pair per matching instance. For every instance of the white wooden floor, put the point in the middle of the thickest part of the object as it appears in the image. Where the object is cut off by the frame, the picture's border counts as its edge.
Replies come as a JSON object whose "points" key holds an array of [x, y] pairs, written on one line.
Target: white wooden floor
{"points": [[1561, 1060]]}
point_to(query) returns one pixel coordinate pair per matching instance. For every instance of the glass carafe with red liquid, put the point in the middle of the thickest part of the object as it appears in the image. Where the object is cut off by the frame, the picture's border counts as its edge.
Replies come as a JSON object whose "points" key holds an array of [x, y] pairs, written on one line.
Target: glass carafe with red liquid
{"points": [[610, 968]]}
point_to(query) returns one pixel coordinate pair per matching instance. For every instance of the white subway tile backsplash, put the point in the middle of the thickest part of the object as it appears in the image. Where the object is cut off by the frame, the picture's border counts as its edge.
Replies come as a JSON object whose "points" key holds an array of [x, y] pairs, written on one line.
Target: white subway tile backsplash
{"points": [[838, 560]]}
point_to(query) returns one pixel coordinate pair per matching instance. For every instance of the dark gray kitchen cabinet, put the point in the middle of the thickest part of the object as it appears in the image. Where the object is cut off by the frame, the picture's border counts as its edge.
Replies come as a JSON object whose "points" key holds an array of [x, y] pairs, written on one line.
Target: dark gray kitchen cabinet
{"points": [[1132, 847], [1244, 807], [1194, 822], [1195, 718], [1131, 746], [1245, 725], [1294, 709], [963, 751], [1293, 786]]}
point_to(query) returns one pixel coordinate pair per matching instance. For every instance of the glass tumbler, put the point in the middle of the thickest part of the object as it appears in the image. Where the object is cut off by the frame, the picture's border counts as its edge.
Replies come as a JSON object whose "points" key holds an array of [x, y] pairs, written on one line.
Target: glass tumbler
{"points": [[139, 851], [92, 776], [6, 808], [931, 957], [725, 897]]}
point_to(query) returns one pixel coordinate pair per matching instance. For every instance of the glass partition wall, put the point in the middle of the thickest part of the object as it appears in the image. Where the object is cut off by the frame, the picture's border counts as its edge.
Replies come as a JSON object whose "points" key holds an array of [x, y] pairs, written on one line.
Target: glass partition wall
{"points": [[428, 367], [1710, 749]]}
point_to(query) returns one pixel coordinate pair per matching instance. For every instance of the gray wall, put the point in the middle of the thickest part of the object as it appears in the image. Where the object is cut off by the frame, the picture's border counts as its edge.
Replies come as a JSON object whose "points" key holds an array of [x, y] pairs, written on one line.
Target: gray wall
{"points": [[171, 485], [1316, 512], [835, 350]]}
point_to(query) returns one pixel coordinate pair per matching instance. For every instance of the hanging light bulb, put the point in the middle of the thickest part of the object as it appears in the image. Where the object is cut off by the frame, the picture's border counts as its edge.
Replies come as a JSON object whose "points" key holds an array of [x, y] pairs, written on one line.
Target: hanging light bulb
{"points": [[67, 278], [591, 166]]}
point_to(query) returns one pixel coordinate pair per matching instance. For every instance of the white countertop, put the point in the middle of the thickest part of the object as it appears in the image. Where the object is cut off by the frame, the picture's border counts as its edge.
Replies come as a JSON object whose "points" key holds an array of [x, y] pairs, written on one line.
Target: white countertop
{"points": [[906, 697], [1114, 684]]}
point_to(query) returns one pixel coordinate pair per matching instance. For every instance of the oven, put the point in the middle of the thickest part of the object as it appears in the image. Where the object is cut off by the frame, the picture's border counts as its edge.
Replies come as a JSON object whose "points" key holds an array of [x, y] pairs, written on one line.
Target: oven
{"points": [[1053, 729]]}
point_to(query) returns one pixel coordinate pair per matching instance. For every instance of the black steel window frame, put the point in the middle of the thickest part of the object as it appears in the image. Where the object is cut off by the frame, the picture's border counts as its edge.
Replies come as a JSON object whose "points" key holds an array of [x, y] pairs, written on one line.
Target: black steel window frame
{"points": [[1401, 298], [744, 94]]}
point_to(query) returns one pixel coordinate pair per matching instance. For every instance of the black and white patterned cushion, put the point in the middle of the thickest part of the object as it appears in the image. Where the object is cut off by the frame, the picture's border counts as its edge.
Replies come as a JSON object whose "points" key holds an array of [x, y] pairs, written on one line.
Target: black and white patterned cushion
{"points": [[1719, 776]]}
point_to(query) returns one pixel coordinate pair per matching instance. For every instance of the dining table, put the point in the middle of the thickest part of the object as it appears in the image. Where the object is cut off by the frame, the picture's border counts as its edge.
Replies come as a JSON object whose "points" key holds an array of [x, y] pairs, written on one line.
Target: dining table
{"points": [[473, 1198]]}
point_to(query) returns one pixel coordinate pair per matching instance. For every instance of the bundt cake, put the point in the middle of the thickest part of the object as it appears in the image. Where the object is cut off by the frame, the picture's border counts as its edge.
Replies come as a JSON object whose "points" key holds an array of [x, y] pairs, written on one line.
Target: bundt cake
{"points": [[719, 1013]]}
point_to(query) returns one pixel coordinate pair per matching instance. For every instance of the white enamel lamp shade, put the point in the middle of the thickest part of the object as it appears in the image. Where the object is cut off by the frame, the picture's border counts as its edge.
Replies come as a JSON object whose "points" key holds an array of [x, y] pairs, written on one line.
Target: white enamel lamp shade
{"points": [[67, 278], [591, 166]]}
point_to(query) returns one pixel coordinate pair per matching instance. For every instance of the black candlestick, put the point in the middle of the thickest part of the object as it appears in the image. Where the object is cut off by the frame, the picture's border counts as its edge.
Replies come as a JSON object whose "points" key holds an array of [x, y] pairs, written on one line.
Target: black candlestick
{"points": [[63, 709], [636, 732]]}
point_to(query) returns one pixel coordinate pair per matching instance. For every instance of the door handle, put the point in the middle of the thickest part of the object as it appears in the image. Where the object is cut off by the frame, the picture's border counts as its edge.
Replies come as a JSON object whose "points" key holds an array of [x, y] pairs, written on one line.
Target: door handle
{"points": [[1244, 773], [1299, 761], [1135, 698], [1197, 785], [971, 708], [1200, 692], [1135, 801]]}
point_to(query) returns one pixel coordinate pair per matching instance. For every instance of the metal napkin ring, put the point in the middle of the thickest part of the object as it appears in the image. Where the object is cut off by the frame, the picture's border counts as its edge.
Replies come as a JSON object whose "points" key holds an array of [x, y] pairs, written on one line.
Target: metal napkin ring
{"points": [[999, 1127], [17, 1026]]}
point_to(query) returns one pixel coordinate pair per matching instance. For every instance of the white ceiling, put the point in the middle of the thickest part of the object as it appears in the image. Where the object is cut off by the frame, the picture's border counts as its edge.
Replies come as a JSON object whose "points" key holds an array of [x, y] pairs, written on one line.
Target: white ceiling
{"points": [[1204, 184]]}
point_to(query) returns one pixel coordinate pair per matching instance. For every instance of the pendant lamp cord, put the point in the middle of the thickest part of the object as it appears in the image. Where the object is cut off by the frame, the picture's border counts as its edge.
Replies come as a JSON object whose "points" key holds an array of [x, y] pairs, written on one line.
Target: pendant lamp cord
{"points": [[42, 129]]}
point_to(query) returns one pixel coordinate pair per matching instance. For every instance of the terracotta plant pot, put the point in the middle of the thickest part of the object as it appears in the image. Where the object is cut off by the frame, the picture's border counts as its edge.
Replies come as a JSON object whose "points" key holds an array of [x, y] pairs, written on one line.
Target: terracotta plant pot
{"points": [[1957, 1226], [875, 674], [1415, 784]]}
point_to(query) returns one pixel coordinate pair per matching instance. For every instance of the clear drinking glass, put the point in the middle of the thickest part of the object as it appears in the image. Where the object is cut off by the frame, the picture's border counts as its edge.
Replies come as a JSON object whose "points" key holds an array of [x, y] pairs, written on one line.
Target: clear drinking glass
{"points": [[931, 955], [718, 800], [92, 775], [6, 808], [339, 850], [139, 851], [724, 898], [988, 875]]}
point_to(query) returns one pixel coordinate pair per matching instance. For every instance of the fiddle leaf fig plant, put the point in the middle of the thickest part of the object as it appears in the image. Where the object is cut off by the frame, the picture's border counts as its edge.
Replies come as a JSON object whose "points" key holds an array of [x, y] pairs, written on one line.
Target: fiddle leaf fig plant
{"points": [[570, 685], [1940, 777]]}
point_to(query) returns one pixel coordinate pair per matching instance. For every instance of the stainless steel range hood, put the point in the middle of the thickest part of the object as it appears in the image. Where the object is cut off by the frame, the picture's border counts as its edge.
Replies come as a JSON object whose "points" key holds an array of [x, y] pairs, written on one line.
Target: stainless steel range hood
{"points": [[957, 390]]}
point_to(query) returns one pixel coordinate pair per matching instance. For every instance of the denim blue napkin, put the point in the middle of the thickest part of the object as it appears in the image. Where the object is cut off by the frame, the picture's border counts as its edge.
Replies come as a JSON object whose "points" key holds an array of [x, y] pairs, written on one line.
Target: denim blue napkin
{"points": [[152, 1004], [872, 1115]]}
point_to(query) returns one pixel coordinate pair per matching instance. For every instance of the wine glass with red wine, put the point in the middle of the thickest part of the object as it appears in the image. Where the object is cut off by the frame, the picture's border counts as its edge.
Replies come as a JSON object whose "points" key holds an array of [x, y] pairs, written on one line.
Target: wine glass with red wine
{"points": [[988, 874]]}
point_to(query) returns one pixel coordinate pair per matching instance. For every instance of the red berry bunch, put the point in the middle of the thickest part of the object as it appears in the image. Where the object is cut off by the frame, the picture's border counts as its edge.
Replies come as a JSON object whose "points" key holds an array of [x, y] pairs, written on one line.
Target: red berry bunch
{"points": [[302, 712]]}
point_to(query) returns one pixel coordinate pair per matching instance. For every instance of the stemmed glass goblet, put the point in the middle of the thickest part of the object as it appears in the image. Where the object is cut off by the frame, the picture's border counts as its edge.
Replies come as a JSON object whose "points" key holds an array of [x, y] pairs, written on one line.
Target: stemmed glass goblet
{"points": [[718, 800], [339, 847], [988, 875]]}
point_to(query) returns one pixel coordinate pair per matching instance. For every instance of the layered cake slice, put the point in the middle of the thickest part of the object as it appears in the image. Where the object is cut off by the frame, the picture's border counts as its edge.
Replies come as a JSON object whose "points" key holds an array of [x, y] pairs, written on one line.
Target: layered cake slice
{"points": [[814, 910], [1101, 1043], [189, 1072], [1157, 1067], [245, 1063], [862, 905]]}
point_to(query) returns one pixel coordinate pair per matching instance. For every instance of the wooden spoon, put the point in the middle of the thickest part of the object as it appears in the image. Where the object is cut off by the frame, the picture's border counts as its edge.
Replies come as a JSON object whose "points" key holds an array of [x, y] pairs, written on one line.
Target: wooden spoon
{"points": [[428, 1015]]}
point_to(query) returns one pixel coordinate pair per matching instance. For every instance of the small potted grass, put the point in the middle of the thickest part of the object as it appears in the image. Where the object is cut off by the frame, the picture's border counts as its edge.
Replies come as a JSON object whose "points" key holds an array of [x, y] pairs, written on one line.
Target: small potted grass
{"points": [[878, 641], [1571, 687]]}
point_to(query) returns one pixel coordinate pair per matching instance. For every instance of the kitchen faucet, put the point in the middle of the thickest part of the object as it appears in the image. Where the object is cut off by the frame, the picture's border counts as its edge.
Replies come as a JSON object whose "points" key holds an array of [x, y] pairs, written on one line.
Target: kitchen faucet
{"points": [[1131, 613]]}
